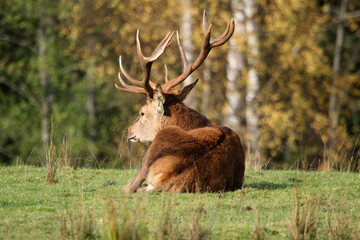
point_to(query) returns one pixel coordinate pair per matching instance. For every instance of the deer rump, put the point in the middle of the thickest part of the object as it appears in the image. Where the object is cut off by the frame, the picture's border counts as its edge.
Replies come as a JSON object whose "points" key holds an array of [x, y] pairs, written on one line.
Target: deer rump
{"points": [[199, 160]]}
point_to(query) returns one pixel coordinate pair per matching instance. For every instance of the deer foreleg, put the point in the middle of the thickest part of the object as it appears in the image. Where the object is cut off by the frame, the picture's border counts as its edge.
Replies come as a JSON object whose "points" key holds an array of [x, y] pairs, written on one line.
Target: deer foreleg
{"points": [[136, 183]]}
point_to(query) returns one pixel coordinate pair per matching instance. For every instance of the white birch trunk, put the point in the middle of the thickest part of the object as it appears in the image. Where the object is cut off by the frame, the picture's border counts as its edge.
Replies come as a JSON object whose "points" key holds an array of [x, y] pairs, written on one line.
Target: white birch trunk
{"points": [[235, 66], [253, 85], [206, 91], [185, 33]]}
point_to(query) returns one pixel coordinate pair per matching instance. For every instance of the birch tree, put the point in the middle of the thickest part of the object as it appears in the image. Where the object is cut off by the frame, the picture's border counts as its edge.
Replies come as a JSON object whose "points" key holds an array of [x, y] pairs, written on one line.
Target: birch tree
{"points": [[253, 84], [205, 97], [186, 29], [235, 68]]}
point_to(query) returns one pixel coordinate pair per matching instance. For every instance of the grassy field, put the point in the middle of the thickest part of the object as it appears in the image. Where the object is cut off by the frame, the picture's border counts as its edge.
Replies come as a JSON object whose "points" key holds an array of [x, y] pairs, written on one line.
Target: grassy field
{"points": [[89, 204]]}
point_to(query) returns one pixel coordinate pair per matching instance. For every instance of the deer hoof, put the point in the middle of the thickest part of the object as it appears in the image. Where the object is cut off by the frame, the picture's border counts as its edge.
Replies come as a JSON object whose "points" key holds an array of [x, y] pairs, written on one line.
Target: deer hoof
{"points": [[129, 189]]}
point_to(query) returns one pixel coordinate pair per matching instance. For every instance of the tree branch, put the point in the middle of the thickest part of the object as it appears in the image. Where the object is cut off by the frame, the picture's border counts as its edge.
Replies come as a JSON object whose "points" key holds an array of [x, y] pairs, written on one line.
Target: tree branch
{"points": [[22, 93], [353, 14], [20, 42]]}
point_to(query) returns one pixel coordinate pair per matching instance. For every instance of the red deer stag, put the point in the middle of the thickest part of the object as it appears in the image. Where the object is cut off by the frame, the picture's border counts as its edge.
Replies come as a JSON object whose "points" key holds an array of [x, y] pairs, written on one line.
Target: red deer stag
{"points": [[188, 153]]}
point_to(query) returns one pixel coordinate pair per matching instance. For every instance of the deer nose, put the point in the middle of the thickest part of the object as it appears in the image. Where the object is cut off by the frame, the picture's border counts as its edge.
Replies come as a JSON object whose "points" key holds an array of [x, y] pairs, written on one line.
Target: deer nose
{"points": [[128, 133]]}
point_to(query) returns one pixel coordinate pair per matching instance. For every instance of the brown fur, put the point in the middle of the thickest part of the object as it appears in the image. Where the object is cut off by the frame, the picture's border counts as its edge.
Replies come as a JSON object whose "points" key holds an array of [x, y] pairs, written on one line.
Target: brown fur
{"points": [[177, 114], [189, 154]]}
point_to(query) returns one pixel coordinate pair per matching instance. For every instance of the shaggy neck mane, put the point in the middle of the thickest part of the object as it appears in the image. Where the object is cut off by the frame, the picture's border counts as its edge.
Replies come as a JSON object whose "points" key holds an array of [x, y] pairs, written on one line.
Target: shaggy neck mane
{"points": [[176, 113]]}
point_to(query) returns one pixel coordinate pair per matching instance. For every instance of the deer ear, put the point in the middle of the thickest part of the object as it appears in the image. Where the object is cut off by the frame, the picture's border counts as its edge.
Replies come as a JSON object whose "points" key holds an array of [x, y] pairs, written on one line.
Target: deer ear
{"points": [[184, 92], [159, 99]]}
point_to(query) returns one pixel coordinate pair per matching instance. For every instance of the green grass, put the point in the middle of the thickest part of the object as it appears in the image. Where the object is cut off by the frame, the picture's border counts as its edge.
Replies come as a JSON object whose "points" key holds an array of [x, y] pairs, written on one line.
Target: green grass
{"points": [[88, 203]]}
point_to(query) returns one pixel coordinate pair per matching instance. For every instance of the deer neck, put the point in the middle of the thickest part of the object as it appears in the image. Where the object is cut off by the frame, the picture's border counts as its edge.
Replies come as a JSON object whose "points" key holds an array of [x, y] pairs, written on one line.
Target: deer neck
{"points": [[184, 117]]}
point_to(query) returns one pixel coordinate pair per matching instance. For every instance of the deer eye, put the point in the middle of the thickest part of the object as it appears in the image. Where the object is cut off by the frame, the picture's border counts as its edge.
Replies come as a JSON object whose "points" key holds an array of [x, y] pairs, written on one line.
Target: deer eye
{"points": [[142, 113]]}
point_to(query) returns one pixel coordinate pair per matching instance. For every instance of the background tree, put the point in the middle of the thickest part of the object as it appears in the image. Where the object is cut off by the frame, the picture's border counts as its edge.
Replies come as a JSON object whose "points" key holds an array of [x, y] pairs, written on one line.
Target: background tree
{"points": [[253, 83], [235, 70], [186, 32], [295, 91]]}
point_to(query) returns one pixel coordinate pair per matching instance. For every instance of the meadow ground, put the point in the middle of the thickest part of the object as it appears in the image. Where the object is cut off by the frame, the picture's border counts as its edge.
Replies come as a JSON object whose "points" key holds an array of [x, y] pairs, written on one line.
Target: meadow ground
{"points": [[89, 204]]}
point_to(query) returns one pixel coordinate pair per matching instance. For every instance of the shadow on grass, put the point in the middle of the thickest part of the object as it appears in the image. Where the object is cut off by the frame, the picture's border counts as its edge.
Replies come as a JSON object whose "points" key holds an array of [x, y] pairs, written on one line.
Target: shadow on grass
{"points": [[268, 185]]}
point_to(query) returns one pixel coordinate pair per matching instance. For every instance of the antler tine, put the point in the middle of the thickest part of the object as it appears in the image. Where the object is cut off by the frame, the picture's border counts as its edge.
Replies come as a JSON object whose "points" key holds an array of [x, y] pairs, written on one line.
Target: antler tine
{"points": [[158, 50], [128, 77], [225, 36], [145, 86], [205, 22], [206, 47], [156, 54], [128, 88], [146, 62], [166, 74], [162, 46], [182, 52]]}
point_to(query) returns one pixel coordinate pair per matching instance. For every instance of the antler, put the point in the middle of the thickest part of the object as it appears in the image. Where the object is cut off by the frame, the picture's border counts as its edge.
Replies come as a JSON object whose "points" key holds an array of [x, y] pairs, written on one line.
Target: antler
{"points": [[145, 86], [207, 45]]}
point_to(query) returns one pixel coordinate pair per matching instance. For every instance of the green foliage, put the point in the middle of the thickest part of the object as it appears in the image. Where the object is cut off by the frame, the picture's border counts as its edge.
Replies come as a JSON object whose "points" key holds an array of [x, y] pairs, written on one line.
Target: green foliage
{"points": [[296, 94]]}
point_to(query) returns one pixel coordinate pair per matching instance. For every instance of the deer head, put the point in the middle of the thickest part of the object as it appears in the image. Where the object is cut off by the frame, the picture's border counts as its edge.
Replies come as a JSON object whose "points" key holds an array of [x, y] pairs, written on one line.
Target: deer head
{"points": [[149, 122]]}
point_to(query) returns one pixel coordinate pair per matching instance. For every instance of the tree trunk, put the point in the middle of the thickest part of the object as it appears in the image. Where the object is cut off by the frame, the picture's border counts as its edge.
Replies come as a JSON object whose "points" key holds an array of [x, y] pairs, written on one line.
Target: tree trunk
{"points": [[253, 85], [235, 66], [334, 103], [207, 87], [44, 79], [90, 91], [186, 32]]}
